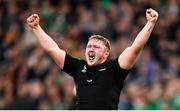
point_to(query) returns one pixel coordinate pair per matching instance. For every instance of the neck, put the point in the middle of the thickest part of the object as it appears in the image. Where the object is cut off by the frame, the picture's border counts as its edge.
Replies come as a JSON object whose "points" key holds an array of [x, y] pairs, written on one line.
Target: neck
{"points": [[103, 60]]}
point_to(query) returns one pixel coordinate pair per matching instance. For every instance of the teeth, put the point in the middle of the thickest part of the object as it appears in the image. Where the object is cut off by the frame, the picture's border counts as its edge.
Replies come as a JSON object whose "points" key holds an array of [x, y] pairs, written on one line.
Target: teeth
{"points": [[91, 57]]}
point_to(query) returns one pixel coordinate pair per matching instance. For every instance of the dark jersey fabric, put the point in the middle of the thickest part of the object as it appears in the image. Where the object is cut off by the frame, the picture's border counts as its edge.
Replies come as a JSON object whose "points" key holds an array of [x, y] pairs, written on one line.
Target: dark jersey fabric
{"points": [[97, 87]]}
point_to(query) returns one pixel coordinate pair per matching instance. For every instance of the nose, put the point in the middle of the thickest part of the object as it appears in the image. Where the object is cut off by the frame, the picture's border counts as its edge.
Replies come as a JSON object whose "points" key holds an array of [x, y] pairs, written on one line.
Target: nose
{"points": [[91, 49]]}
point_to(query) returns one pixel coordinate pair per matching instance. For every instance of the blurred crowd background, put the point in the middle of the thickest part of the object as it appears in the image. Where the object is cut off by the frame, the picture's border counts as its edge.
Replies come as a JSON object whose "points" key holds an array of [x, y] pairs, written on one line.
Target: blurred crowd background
{"points": [[30, 79]]}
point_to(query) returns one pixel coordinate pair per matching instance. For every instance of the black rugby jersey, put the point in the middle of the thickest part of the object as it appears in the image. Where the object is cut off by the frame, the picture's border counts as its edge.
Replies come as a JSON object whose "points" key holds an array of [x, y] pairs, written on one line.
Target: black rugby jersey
{"points": [[97, 87]]}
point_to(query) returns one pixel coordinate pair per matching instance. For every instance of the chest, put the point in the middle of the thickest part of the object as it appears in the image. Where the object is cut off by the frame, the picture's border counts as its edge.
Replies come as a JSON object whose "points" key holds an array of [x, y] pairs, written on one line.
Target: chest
{"points": [[99, 77]]}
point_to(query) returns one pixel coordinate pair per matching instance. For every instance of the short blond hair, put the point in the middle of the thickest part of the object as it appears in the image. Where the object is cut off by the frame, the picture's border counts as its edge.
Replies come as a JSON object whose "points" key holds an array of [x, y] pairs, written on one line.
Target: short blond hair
{"points": [[103, 39]]}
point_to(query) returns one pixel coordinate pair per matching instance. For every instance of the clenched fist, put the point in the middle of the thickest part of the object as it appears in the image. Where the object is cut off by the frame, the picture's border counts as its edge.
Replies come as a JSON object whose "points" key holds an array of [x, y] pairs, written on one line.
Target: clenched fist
{"points": [[151, 15], [33, 21]]}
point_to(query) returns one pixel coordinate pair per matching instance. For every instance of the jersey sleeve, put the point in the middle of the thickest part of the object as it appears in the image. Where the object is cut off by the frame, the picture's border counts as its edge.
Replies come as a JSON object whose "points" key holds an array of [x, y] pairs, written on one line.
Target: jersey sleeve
{"points": [[120, 73], [71, 65]]}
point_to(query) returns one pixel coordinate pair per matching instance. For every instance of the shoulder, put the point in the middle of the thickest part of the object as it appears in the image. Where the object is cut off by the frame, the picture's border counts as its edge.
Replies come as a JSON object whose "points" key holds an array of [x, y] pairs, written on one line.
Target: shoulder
{"points": [[114, 64], [72, 59], [116, 70], [72, 64]]}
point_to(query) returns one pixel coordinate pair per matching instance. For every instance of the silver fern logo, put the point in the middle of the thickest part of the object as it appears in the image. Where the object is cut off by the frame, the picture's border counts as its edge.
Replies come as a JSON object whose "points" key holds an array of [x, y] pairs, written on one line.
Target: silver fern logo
{"points": [[84, 70]]}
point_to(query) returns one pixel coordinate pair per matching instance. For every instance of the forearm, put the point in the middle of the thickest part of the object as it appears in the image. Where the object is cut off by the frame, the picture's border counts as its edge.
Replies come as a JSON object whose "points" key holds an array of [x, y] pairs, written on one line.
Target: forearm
{"points": [[142, 37], [46, 42]]}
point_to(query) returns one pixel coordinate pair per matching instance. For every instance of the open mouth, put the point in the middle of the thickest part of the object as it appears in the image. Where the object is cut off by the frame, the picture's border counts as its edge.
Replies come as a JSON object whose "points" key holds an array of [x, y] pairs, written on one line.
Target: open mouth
{"points": [[91, 57]]}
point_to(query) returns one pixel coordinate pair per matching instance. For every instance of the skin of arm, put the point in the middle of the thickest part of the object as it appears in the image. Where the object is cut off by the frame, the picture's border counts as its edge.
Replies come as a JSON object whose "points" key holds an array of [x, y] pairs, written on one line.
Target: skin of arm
{"points": [[47, 43], [128, 57]]}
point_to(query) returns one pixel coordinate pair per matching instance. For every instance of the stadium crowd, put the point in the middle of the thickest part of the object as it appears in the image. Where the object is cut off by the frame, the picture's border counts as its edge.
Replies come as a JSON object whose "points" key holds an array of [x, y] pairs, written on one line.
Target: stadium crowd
{"points": [[30, 79]]}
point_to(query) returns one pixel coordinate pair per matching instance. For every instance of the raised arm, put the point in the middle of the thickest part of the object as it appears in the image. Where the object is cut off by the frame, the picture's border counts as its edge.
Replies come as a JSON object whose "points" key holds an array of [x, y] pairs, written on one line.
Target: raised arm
{"points": [[46, 42], [128, 57]]}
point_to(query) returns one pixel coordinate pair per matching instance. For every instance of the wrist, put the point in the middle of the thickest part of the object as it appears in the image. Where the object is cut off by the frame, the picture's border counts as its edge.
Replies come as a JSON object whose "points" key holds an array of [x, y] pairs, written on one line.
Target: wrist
{"points": [[150, 23], [35, 28], [149, 26]]}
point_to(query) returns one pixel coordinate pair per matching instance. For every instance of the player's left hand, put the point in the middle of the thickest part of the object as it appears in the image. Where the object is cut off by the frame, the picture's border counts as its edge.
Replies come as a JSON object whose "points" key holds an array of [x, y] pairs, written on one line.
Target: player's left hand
{"points": [[151, 15]]}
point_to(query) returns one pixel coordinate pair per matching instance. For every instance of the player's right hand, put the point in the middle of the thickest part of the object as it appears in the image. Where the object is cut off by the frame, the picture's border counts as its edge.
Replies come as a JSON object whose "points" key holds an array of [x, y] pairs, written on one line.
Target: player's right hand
{"points": [[33, 21]]}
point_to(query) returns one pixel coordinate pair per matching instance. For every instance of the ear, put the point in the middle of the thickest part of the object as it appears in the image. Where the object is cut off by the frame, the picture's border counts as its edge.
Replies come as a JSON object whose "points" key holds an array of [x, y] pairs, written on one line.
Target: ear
{"points": [[106, 54]]}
